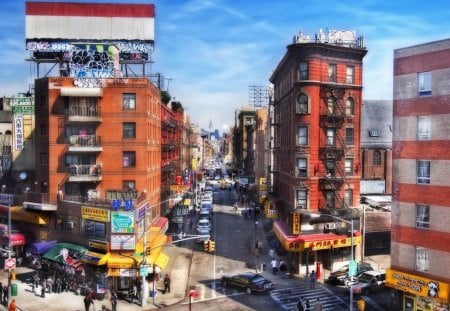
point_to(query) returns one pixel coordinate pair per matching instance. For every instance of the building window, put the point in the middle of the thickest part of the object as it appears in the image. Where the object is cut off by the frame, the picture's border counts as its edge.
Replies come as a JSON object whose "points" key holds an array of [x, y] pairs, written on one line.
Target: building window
{"points": [[329, 196], [422, 260], [350, 75], [422, 216], [59, 223], [129, 158], [331, 133], [348, 198], [129, 130], [332, 70], [331, 105], [330, 168], [349, 107], [348, 167], [423, 172], [95, 228], [128, 185], [129, 101], [303, 71], [43, 159], [72, 224], [302, 135], [423, 128], [349, 140], [302, 104], [302, 170], [374, 133], [424, 83], [376, 158], [302, 198]]}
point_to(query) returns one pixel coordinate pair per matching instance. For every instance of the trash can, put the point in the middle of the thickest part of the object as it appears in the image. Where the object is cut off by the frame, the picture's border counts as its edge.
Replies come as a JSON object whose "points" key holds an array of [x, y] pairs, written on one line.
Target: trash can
{"points": [[13, 289]]}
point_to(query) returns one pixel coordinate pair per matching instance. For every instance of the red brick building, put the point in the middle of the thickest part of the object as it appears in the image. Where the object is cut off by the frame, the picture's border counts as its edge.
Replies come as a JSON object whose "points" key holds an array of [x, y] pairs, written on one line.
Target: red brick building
{"points": [[316, 146], [420, 246]]}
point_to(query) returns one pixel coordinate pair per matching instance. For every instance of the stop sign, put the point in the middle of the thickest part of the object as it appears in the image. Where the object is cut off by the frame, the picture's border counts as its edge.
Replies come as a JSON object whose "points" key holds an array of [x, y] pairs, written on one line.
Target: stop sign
{"points": [[10, 263]]}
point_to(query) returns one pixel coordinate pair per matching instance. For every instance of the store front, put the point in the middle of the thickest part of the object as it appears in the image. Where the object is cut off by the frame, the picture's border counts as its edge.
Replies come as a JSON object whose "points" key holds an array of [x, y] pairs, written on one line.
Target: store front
{"points": [[314, 251], [418, 293]]}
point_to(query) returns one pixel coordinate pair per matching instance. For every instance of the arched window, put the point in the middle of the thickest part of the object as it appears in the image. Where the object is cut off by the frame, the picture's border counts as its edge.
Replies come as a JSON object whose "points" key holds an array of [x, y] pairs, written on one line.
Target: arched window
{"points": [[377, 157], [350, 107]]}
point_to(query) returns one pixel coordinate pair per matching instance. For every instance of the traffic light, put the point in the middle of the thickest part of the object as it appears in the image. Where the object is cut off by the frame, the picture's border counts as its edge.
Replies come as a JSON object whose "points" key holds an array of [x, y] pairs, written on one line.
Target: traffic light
{"points": [[212, 246], [206, 245]]}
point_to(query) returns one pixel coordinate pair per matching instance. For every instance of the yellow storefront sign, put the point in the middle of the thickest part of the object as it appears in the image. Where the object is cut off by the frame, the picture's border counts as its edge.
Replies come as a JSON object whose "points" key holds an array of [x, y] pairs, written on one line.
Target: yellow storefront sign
{"points": [[333, 242], [417, 285], [296, 223], [96, 214]]}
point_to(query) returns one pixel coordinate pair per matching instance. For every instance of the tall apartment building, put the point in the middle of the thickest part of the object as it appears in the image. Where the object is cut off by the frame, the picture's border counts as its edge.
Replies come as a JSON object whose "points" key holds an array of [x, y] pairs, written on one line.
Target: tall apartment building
{"points": [[420, 246], [316, 147]]}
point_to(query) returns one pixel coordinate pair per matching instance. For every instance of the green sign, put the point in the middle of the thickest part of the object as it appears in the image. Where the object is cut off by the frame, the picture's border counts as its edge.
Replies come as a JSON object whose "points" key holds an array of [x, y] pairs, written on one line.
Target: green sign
{"points": [[353, 268], [122, 222]]}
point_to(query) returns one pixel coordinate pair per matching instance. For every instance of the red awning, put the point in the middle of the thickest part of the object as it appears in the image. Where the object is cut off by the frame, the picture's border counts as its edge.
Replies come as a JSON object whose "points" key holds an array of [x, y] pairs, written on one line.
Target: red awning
{"points": [[161, 222], [16, 239]]}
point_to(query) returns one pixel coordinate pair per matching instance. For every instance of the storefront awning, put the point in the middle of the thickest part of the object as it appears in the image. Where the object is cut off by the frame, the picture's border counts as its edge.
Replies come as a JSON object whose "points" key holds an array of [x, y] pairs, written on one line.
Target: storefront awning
{"points": [[40, 248], [66, 254], [16, 239], [321, 241], [95, 258], [162, 261], [18, 213], [121, 261], [162, 223]]}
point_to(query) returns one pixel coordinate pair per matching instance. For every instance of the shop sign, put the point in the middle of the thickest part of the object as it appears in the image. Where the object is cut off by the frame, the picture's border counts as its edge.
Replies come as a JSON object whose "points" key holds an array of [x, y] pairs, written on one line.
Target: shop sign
{"points": [[128, 273], [335, 243], [123, 242], [417, 285], [122, 222], [6, 198], [98, 245], [93, 213], [296, 223]]}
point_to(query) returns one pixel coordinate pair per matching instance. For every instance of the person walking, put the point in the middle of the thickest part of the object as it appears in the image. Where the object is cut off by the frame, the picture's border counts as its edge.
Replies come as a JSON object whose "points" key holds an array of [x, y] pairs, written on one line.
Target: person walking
{"points": [[318, 306], [166, 284], [12, 305], [300, 304], [307, 306], [312, 277], [274, 265], [271, 253], [113, 301], [87, 302]]}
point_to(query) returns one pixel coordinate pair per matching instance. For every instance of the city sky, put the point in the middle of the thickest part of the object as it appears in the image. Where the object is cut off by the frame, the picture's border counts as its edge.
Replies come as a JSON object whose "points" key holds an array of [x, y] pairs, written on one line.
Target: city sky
{"points": [[212, 51]]}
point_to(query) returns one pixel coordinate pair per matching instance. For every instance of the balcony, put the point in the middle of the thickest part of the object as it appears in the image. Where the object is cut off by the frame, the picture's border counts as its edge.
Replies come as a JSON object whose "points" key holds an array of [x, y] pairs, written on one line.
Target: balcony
{"points": [[85, 173], [84, 113], [330, 183], [83, 143]]}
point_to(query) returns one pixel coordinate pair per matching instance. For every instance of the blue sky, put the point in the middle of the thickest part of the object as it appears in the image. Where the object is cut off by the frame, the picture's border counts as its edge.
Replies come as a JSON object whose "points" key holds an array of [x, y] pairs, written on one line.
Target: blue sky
{"points": [[213, 50]]}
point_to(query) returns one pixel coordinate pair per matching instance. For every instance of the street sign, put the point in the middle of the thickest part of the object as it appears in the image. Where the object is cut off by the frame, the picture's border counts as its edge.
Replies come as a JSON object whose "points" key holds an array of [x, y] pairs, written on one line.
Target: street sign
{"points": [[143, 271], [10, 263], [353, 268]]}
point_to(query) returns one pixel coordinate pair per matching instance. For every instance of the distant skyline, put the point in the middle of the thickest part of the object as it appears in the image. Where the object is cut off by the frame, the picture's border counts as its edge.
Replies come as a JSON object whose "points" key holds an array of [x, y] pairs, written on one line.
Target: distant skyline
{"points": [[210, 52]]}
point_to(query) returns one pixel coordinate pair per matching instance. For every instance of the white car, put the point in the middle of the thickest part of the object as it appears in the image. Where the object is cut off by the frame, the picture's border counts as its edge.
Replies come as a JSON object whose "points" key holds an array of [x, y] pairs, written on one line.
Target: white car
{"points": [[203, 225], [368, 281]]}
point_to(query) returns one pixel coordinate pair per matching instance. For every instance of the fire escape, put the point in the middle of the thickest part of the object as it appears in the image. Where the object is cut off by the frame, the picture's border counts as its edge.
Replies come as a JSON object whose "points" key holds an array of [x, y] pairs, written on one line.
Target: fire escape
{"points": [[332, 148]]}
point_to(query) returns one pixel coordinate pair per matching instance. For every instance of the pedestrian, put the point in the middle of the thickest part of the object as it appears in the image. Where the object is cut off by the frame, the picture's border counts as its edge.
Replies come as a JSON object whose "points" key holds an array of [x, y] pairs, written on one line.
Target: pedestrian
{"points": [[5, 295], [300, 304], [307, 305], [134, 293], [12, 305], [283, 267], [87, 302], [1, 293], [260, 246], [318, 306], [166, 284], [113, 301], [58, 285], [257, 248], [312, 278], [44, 288], [274, 265], [271, 253]]}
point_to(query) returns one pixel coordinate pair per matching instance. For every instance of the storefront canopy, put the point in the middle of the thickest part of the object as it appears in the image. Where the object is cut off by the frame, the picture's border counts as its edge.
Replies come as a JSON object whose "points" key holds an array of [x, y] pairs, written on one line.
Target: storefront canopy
{"points": [[121, 261], [66, 254], [16, 239], [40, 248], [95, 258]]}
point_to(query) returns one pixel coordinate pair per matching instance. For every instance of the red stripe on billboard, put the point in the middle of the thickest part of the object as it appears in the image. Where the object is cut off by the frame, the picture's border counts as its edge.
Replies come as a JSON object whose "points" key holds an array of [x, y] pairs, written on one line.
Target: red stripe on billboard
{"points": [[90, 9]]}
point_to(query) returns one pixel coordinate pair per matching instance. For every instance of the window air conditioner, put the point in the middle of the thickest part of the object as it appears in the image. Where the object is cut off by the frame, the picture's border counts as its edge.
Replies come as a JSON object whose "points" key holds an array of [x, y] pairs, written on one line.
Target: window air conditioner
{"points": [[330, 226], [301, 206], [70, 225]]}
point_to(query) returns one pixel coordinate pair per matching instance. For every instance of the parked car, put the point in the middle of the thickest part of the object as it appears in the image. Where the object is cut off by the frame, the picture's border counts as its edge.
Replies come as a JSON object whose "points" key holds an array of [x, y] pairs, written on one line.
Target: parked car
{"points": [[368, 281], [205, 235], [206, 205], [248, 281], [341, 276]]}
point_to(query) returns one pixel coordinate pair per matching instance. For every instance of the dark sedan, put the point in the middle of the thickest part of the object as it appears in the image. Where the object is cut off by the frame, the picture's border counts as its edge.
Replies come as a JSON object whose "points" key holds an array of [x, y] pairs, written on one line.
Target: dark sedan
{"points": [[250, 282]]}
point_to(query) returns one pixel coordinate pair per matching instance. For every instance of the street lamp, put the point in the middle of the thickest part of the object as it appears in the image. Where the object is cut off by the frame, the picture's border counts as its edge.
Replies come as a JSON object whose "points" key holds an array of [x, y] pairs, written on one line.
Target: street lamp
{"points": [[351, 250]]}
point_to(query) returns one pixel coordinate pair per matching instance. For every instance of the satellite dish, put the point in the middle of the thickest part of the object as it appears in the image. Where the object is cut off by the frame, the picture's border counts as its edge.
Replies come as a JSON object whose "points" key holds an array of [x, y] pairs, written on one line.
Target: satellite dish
{"points": [[23, 176]]}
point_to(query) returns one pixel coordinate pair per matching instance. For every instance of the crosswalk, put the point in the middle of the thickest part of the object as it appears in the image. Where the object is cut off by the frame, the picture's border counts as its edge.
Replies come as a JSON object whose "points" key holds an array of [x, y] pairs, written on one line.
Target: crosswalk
{"points": [[288, 297]]}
